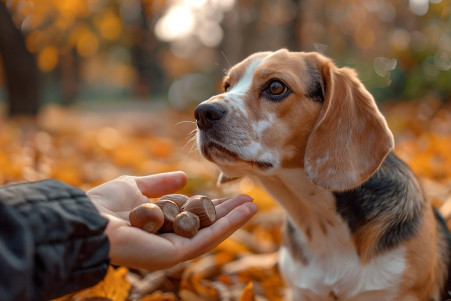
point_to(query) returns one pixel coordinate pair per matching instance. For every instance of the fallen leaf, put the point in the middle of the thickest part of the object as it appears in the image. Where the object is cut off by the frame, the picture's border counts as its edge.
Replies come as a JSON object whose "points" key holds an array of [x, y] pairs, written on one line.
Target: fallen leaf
{"points": [[113, 287], [248, 293]]}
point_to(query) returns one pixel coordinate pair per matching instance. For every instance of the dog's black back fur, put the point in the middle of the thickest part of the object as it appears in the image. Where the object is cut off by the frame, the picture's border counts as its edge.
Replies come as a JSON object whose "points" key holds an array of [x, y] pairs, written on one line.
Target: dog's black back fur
{"points": [[392, 190]]}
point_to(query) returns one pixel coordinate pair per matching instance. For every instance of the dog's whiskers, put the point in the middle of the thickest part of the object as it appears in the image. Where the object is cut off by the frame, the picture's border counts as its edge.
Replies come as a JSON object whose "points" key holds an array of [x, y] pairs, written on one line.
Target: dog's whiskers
{"points": [[185, 121], [227, 60], [191, 136], [193, 142]]}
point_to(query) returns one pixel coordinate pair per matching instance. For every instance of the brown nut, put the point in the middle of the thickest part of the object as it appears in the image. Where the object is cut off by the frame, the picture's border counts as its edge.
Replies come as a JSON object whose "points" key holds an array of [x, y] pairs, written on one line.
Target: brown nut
{"points": [[203, 207], [178, 199], [148, 217], [170, 211], [186, 224]]}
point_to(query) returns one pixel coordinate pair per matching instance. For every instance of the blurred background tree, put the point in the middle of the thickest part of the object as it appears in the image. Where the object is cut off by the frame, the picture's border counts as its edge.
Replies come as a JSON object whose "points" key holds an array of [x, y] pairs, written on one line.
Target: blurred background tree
{"points": [[69, 51], [20, 69]]}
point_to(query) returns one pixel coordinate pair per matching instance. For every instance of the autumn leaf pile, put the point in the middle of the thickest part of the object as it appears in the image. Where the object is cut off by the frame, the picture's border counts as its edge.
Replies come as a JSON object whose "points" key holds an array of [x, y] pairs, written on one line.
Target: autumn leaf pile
{"points": [[87, 147]]}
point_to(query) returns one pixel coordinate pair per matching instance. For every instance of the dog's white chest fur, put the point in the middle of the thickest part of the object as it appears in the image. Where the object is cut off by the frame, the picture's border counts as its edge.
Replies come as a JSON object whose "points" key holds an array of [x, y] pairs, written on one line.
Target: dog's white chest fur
{"points": [[330, 265], [337, 272]]}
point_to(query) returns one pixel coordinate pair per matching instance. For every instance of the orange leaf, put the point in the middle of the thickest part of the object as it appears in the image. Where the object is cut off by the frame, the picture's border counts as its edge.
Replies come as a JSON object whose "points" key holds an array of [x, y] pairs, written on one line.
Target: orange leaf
{"points": [[248, 293], [159, 296], [114, 287], [232, 246], [161, 147], [204, 289]]}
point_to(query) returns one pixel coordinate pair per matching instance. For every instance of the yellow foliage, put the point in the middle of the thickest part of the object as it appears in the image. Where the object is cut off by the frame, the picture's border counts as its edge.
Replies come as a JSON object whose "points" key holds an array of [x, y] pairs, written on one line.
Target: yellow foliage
{"points": [[109, 138], [48, 58], [232, 246], [159, 296], [262, 198], [75, 8], [35, 40], [273, 286], [204, 289], [87, 44], [248, 293], [222, 258], [109, 25], [67, 173], [129, 155], [364, 37], [161, 147], [113, 287]]}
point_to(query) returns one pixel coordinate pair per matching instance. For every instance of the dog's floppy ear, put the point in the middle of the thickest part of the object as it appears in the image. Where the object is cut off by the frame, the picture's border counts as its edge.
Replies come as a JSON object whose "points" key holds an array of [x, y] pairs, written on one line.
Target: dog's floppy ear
{"points": [[350, 138]]}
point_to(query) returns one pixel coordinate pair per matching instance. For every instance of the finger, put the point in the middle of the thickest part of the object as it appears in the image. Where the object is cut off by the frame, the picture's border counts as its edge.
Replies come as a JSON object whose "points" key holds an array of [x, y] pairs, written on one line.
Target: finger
{"points": [[217, 202], [160, 184], [208, 238], [229, 204]]}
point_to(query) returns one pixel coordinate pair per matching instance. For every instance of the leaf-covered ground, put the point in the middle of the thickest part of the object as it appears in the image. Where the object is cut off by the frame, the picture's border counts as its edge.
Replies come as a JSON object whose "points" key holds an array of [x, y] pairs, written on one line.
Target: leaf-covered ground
{"points": [[85, 147]]}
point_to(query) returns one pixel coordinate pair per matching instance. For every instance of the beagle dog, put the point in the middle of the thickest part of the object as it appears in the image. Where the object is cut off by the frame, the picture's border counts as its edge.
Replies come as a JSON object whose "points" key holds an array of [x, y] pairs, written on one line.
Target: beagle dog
{"points": [[358, 224]]}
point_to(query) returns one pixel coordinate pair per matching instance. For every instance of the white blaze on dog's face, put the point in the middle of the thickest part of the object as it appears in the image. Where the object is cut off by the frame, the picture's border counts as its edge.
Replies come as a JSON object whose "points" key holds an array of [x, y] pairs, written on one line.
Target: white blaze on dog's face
{"points": [[294, 110], [264, 96]]}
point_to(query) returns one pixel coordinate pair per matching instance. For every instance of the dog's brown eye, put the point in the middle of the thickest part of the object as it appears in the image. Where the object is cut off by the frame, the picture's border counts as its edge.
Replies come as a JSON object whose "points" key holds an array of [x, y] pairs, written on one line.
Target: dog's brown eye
{"points": [[226, 87], [277, 88]]}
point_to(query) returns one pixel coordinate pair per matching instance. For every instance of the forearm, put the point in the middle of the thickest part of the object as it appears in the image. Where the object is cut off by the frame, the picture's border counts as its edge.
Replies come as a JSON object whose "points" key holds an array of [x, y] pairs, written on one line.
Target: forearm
{"points": [[52, 241]]}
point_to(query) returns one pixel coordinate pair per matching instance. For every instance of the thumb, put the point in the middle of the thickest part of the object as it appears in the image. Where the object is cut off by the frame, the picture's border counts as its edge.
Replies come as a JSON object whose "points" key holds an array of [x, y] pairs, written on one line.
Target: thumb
{"points": [[160, 184]]}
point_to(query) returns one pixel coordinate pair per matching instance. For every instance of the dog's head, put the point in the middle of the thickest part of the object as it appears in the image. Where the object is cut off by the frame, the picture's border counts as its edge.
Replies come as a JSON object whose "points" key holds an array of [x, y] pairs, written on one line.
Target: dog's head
{"points": [[294, 110]]}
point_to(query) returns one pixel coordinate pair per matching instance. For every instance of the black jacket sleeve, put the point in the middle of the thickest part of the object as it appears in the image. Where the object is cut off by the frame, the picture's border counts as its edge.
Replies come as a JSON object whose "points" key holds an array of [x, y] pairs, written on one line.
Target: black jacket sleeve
{"points": [[52, 241]]}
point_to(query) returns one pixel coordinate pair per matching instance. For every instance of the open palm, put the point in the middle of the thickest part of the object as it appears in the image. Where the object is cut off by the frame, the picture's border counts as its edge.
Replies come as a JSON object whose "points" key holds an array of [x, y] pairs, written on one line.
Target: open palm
{"points": [[134, 247]]}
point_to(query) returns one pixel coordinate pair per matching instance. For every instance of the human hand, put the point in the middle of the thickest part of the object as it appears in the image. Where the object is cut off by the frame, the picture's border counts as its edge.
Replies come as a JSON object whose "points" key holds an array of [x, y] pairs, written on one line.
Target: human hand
{"points": [[133, 247]]}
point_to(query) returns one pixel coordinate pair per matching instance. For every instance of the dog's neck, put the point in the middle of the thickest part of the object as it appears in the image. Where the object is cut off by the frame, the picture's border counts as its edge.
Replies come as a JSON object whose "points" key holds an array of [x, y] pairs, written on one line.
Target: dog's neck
{"points": [[311, 209], [319, 254]]}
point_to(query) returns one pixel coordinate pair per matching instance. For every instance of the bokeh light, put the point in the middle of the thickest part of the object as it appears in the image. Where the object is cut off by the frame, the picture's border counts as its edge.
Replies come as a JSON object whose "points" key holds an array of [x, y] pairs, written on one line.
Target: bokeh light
{"points": [[178, 23], [193, 19]]}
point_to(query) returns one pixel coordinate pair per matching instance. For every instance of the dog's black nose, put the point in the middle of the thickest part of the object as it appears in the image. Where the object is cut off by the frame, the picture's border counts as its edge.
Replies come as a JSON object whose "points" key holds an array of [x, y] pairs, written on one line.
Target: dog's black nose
{"points": [[207, 114]]}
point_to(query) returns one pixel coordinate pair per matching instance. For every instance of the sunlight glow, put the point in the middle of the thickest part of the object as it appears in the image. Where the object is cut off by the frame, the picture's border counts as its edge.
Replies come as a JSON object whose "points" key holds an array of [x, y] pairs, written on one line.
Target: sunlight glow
{"points": [[419, 7], [177, 23], [195, 3], [210, 34], [193, 21], [224, 4]]}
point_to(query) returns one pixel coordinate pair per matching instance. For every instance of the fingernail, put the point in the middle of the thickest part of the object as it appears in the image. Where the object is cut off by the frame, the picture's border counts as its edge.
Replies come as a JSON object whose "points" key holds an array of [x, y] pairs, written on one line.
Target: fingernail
{"points": [[253, 208], [245, 210], [183, 177]]}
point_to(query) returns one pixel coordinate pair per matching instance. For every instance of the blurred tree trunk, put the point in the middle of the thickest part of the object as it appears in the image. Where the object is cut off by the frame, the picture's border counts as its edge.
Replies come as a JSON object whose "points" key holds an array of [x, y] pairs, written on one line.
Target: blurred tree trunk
{"points": [[295, 39], [261, 26], [68, 70], [21, 71], [232, 43], [151, 77]]}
